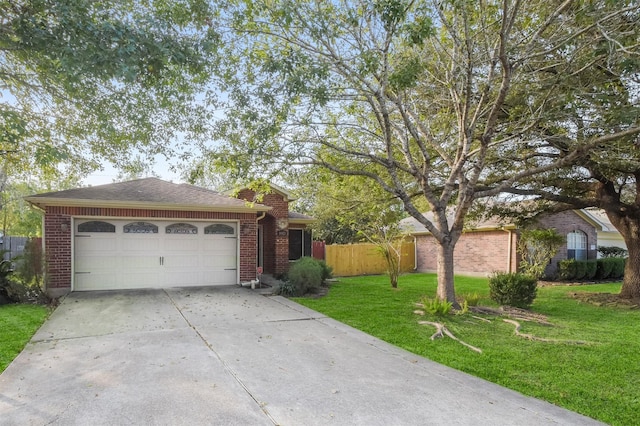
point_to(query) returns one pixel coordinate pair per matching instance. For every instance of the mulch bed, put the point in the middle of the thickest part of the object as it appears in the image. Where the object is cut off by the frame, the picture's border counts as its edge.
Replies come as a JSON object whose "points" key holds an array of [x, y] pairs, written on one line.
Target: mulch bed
{"points": [[605, 299]]}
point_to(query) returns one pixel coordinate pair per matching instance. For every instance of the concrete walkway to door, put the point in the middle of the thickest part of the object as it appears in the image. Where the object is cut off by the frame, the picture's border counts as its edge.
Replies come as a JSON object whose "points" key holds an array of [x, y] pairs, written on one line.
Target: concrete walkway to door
{"points": [[228, 356]]}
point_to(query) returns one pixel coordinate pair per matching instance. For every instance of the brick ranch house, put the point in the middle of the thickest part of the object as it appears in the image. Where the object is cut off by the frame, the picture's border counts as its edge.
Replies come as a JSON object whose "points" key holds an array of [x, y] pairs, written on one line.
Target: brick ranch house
{"points": [[149, 233], [490, 245]]}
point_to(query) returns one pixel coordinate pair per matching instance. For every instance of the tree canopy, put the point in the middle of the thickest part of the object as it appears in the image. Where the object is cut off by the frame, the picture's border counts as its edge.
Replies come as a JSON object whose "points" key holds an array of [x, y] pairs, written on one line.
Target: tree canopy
{"points": [[424, 99], [84, 82]]}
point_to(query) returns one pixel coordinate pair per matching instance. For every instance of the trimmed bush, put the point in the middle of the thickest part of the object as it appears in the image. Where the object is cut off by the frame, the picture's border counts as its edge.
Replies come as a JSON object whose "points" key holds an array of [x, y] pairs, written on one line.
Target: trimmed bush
{"points": [[305, 275], [581, 269], [618, 267], [604, 268], [513, 289], [591, 268], [612, 251], [327, 271], [567, 269]]}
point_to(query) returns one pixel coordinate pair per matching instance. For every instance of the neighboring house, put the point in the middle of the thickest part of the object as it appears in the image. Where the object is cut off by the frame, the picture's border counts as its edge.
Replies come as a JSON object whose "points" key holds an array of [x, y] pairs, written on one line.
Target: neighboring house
{"points": [[148, 233], [490, 245]]}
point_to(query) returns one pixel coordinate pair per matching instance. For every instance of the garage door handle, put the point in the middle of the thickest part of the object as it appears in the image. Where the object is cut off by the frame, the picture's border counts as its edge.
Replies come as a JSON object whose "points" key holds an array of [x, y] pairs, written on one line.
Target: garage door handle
{"points": [[161, 260], [230, 269]]}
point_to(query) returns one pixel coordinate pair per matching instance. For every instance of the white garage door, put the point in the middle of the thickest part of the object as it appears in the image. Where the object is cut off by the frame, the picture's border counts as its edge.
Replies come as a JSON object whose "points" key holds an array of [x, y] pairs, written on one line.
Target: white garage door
{"points": [[127, 254]]}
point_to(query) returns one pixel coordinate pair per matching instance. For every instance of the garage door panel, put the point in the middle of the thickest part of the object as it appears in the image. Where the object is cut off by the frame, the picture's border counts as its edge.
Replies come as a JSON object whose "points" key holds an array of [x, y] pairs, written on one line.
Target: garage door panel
{"points": [[96, 281], [181, 261], [141, 279], [181, 244], [219, 277], [140, 243], [217, 245], [96, 244], [129, 262], [220, 262], [118, 260], [97, 263]]}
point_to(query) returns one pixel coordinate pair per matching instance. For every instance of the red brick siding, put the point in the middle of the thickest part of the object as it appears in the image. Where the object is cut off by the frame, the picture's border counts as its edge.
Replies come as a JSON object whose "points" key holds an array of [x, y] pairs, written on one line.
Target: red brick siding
{"points": [[483, 252], [275, 246], [565, 223], [58, 235], [57, 242], [476, 253]]}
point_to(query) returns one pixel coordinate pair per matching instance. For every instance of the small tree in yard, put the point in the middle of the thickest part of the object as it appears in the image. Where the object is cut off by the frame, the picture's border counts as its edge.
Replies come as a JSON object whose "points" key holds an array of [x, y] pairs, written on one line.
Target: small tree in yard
{"points": [[537, 247], [388, 241]]}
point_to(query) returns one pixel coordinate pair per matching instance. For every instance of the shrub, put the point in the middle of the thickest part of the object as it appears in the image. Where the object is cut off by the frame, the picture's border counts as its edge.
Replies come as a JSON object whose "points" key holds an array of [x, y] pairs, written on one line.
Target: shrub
{"points": [[591, 268], [327, 271], [604, 268], [435, 306], [287, 288], [6, 269], [581, 269], [471, 299], [612, 251], [567, 269], [305, 275], [537, 247], [513, 289], [617, 270]]}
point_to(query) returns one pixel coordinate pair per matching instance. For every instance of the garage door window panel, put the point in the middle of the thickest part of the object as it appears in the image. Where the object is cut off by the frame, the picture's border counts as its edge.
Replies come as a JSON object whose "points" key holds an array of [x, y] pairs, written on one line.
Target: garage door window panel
{"points": [[219, 229], [140, 228], [97, 226], [181, 229]]}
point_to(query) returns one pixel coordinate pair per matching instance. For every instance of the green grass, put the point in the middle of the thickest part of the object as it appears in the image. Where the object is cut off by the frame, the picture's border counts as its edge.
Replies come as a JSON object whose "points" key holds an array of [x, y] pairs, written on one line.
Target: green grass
{"points": [[599, 380], [17, 324]]}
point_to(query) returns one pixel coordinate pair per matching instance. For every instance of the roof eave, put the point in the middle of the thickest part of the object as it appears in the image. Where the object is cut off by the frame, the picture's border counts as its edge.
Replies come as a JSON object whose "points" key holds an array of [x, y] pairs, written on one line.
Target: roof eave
{"points": [[302, 221], [43, 202]]}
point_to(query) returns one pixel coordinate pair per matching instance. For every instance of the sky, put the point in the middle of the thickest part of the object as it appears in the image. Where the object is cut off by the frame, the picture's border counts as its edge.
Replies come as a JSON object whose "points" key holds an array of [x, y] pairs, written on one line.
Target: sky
{"points": [[161, 169]]}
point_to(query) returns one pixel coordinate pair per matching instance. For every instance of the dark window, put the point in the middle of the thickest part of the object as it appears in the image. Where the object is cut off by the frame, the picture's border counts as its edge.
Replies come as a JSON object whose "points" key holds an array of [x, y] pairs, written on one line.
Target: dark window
{"points": [[181, 228], [96, 226], [299, 243], [140, 228], [577, 245], [219, 228]]}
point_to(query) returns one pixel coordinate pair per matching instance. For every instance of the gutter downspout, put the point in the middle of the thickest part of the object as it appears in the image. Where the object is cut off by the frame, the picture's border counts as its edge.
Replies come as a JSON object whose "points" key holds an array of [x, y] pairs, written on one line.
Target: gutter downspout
{"points": [[415, 253], [259, 218], [509, 250]]}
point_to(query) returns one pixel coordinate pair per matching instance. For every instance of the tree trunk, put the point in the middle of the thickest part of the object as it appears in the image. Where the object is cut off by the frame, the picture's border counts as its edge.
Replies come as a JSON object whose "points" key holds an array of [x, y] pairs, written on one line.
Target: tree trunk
{"points": [[629, 227], [446, 290], [631, 284]]}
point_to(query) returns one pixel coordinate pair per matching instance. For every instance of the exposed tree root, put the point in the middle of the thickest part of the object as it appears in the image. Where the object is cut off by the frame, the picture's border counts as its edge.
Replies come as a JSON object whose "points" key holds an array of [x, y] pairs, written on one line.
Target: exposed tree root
{"points": [[542, 339], [441, 330], [515, 313]]}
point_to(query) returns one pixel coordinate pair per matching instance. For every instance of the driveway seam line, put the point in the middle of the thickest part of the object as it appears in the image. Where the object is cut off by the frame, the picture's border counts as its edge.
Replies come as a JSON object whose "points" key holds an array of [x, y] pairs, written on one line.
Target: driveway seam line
{"points": [[224, 364]]}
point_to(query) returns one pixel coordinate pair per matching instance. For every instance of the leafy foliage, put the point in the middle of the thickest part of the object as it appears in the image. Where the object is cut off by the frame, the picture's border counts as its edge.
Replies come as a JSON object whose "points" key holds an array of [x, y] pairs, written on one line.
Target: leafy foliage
{"points": [[436, 307], [430, 101], [6, 270], [513, 289], [305, 275], [537, 247], [612, 251], [85, 81]]}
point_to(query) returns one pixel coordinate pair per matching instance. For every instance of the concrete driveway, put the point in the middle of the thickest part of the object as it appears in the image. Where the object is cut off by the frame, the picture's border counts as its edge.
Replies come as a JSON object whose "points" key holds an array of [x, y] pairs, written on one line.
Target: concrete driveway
{"points": [[229, 356]]}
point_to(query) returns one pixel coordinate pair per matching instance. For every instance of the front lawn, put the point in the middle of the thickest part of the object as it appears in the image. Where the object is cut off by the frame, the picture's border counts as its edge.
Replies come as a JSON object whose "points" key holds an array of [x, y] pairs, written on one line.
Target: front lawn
{"points": [[599, 379], [17, 324]]}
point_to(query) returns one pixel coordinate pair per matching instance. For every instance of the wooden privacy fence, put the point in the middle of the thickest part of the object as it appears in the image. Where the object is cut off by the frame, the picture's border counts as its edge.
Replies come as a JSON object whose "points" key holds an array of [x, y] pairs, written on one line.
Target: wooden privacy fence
{"points": [[349, 260]]}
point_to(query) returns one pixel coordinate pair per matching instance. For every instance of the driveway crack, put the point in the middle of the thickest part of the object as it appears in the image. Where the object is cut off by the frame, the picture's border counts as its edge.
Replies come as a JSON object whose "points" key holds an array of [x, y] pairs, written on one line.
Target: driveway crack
{"points": [[226, 366]]}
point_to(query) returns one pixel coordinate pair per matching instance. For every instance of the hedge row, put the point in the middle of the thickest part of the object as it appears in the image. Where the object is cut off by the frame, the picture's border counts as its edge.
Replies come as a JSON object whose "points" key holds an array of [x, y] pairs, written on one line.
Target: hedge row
{"points": [[600, 269]]}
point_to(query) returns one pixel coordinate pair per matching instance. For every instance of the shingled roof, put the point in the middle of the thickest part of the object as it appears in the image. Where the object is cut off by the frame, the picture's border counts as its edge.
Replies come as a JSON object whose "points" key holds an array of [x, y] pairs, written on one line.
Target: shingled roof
{"points": [[149, 193]]}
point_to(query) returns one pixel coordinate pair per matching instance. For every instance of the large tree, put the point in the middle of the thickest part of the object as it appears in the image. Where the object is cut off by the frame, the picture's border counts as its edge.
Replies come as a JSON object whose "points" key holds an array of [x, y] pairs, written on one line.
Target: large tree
{"points": [[416, 96], [598, 99], [84, 82]]}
